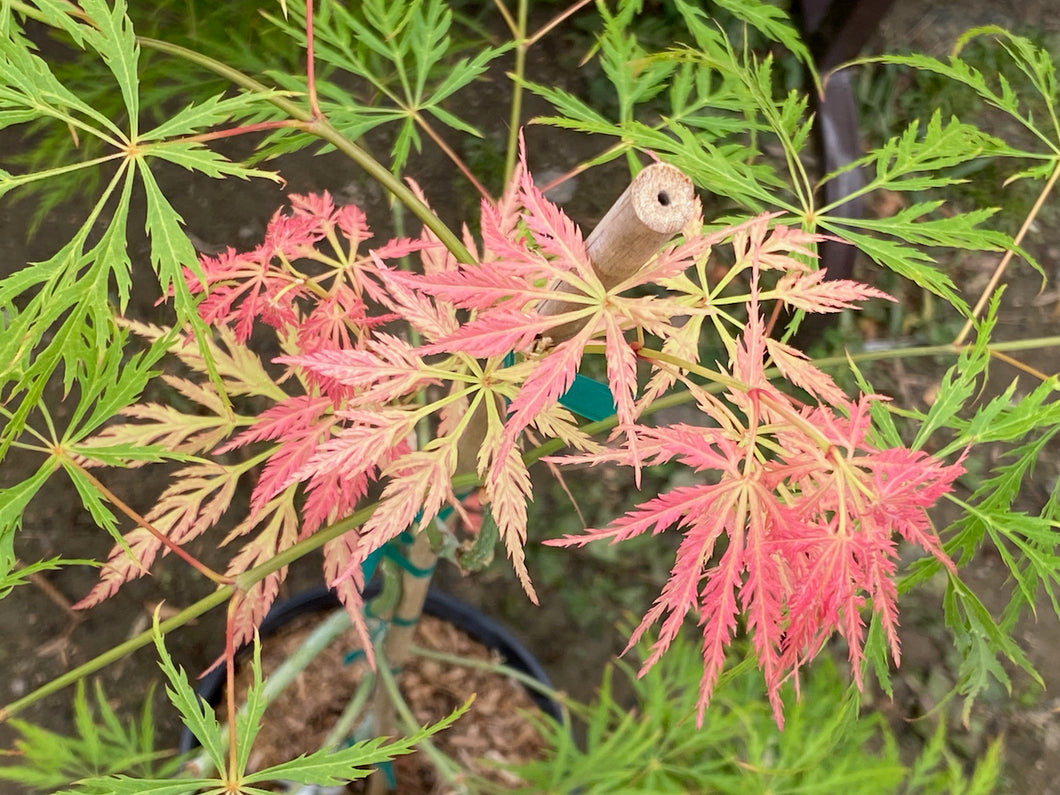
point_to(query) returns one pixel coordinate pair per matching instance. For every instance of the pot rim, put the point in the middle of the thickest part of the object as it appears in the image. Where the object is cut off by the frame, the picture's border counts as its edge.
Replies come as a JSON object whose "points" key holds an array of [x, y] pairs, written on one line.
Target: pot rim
{"points": [[439, 604]]}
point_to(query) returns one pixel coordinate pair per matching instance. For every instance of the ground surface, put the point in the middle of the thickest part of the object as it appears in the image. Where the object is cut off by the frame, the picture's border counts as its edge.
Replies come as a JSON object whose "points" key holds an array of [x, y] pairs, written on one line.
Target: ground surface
{"points": [[42, 638]]}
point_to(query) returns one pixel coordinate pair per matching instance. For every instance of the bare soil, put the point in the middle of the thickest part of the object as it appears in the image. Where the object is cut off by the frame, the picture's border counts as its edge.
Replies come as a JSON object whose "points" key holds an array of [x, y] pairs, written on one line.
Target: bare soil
{"points": [[497, 730]]}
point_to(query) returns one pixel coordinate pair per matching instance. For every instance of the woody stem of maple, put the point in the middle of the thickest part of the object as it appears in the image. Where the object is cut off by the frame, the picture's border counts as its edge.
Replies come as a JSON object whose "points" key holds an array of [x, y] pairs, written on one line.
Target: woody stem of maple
{"points": [[162, 538], [310, 68], [518, 30]]}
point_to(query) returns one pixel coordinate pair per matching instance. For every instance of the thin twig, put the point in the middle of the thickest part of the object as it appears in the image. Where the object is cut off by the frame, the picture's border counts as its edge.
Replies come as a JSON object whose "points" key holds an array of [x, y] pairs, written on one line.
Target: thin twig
{"points": [[1000, 269], [166, 541]]}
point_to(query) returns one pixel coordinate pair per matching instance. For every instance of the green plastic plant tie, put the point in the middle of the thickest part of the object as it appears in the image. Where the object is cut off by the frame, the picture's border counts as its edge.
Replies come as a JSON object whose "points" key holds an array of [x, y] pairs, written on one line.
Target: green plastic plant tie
{"points": [[387, 768], [371, 563], [391, 552], [586, 397], [589, 398], [376, 637]]}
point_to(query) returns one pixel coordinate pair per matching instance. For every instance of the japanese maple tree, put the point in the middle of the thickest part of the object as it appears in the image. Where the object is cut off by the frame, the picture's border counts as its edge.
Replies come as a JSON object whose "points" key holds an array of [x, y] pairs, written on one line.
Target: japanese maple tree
{"points": [[358, 391], [793, 529]]}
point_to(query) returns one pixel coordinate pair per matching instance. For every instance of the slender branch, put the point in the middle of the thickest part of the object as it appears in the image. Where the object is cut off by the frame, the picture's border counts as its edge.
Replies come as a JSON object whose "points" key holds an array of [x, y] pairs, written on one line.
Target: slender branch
{"points": [[230, 691], [557, 20], [1009, 360], [454, 158], [162, 538], [1001, 266], [513, 28], [516, 114], [115, 653], [36, 578]]}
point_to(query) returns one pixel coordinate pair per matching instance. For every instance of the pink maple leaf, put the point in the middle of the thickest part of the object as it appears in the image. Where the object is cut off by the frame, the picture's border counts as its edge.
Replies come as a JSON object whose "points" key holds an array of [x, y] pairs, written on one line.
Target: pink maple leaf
{"points": [[418, 485], [809, 291], [195, 500], [336, 322], [343, 561], [384, 369], [772, 248], [340, 467], [278, 532], [300, 424], [243, 288], [809, 511]]}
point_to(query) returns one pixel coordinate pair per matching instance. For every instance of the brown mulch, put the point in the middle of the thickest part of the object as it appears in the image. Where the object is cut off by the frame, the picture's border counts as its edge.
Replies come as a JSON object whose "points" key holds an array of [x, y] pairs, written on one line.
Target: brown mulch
{"points": [[496, 729]]}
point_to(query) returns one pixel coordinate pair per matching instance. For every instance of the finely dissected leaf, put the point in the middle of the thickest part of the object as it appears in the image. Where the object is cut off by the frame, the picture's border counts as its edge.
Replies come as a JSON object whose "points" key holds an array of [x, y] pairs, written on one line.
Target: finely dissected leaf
{"points": [[811, 293], [194, 156], [341, 555], [797, 368], [206, 113], [249, 717], [112, 36], [30, 83], [917, 159], [103, 742], [194, 711], [550, 379], [385, 369], [979, 639], [955, 388], [164, 431], [93, 500], [905, 260], [507, 495], [773, 22], [125, 785], [171, 251], [405, 52], [63, 298], [277, 525], [12, 574], [1034, 62], [368, 440], [239, 368], [418, 486], [808, 528], [111, 382]]}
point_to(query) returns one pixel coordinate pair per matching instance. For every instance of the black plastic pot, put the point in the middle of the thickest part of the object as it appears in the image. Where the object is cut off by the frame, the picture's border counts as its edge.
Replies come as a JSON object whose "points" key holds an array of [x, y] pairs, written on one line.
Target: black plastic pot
{"points": [[440, 605]]}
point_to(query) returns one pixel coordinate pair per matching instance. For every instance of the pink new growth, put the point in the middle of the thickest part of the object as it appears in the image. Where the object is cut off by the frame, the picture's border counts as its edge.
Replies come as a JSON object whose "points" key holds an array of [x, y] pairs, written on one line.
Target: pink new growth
{"points": [[793, 525]]}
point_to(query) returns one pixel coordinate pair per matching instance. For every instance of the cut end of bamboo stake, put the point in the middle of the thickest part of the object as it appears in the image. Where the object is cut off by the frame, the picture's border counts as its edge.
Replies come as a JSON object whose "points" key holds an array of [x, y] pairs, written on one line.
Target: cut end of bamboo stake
{"points": [[651, 210], [657, 204], [663, 198]]}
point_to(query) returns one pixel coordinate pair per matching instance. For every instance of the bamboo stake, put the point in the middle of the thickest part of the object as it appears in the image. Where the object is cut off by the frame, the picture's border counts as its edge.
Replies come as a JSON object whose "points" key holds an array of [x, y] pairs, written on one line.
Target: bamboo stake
{"points": [[396, 647], [654, 207], [657, 204]]}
